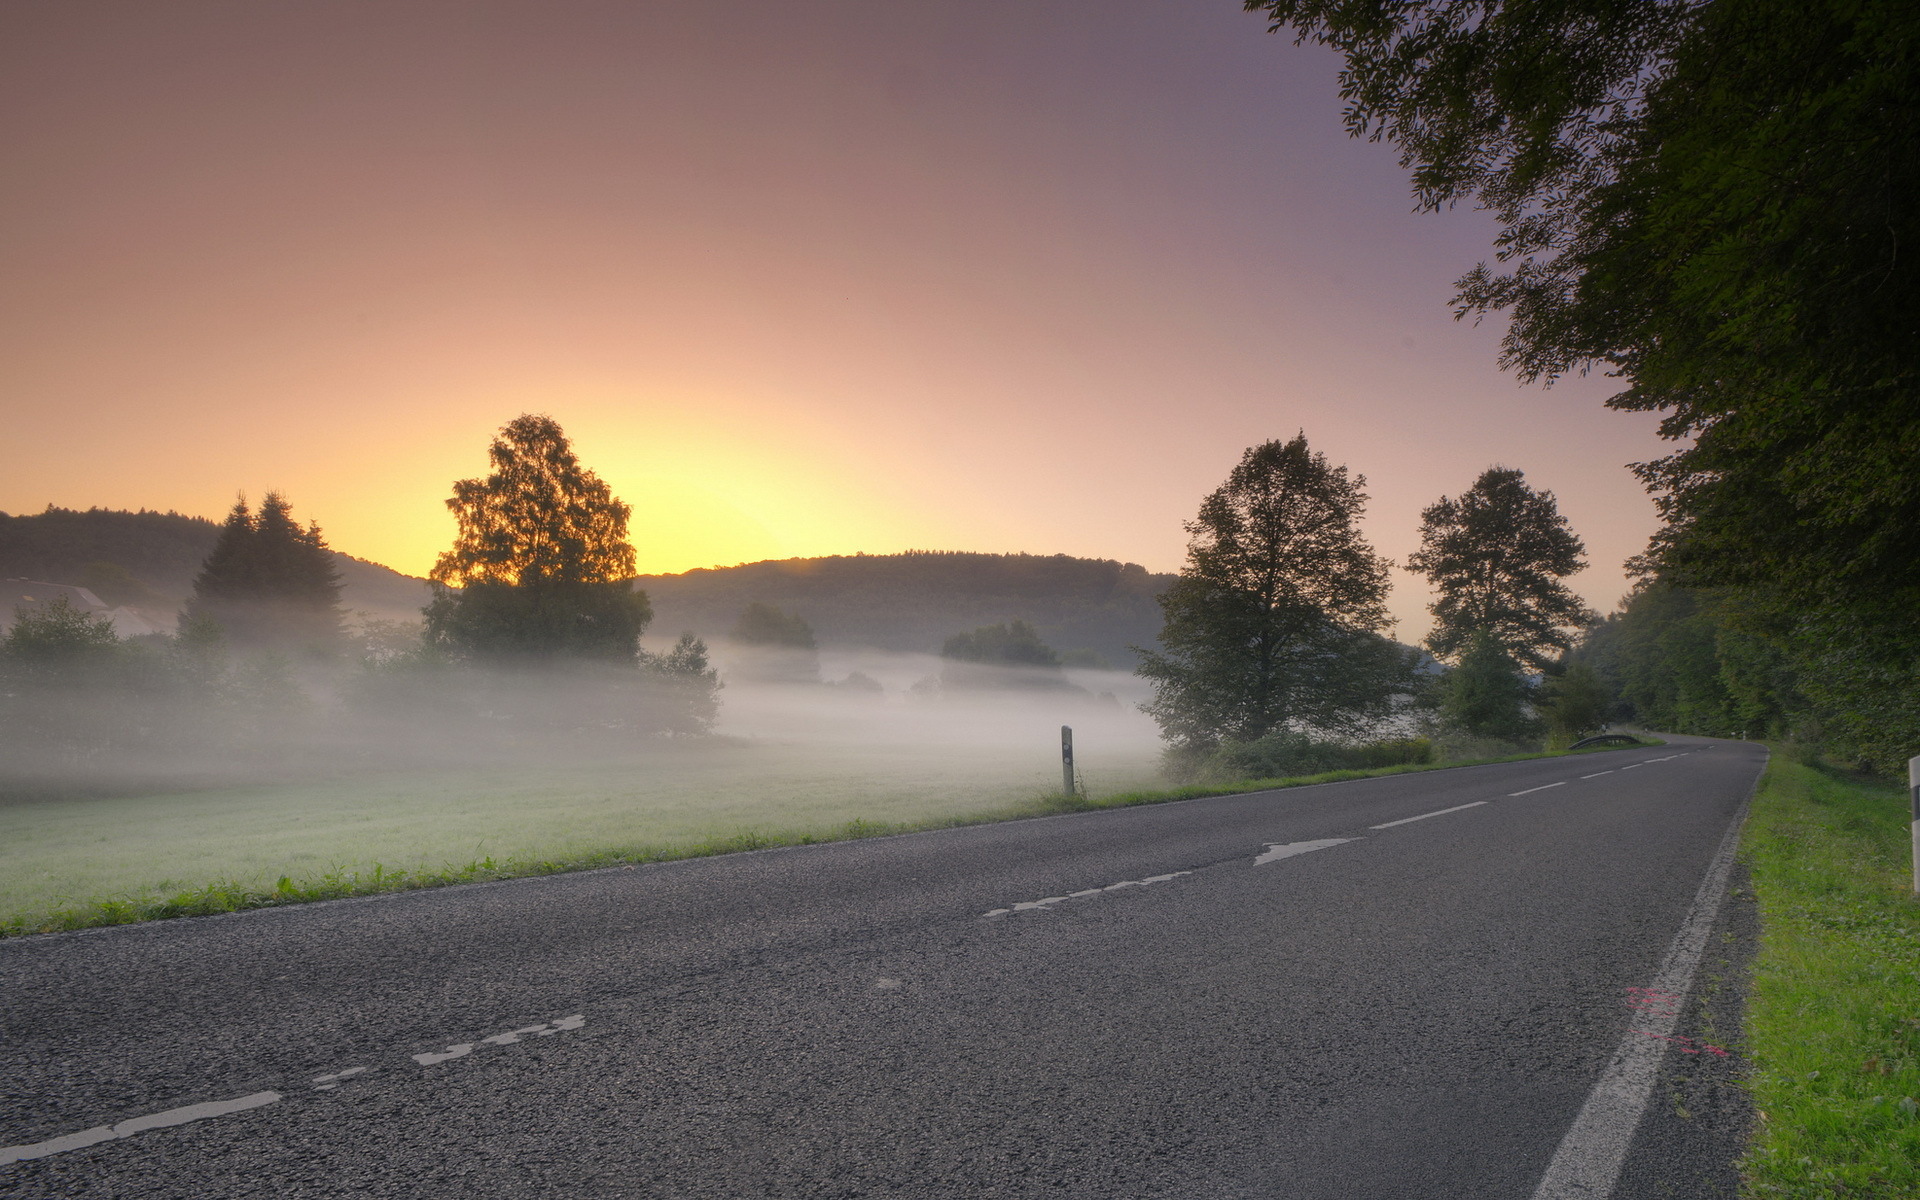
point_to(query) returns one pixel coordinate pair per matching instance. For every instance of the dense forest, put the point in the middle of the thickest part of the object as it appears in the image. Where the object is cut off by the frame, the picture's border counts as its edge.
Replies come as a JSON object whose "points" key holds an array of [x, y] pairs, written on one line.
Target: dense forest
{"points": [[1090, 609], [148, 560], [1093, 610]]}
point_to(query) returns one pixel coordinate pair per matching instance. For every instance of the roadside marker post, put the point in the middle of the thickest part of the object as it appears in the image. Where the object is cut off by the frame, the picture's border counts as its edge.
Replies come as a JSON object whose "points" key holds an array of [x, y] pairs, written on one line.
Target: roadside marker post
{"points": [[1913, 794], [1066, 766]]}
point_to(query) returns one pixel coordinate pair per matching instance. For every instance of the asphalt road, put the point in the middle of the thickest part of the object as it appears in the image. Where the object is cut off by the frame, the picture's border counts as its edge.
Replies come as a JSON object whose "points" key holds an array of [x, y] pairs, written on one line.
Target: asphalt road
{"points": [[1415, 1010]]}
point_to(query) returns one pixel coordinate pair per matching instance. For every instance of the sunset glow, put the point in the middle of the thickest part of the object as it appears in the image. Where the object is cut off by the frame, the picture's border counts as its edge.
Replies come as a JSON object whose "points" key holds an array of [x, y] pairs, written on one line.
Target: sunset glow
{"points": [[814, 280]]}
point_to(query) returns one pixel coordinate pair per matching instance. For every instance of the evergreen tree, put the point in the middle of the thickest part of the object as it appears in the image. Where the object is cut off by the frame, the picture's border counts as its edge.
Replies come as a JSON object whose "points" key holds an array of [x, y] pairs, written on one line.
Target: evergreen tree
{"points": [[1274, 622], [1497, 556], [268, 583], [541, 566]]}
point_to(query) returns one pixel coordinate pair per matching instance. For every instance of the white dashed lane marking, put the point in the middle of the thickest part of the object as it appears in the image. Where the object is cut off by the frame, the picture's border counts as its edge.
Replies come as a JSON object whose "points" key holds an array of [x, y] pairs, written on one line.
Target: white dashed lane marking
{"points": [[159, 1120], [1543, 787], [1050, 901], [221, 1108], [1423, 816]]}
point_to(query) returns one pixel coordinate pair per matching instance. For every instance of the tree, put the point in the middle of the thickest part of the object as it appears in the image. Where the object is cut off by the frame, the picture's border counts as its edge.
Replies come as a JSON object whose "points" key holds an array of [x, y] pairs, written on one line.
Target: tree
{"points": [[268, 583], [1014, 644], [765, 625], [774, 647], [1576, 703], [1496, 556], [1486, 696], [1274, 621], [1711, 201], [1006, 655], [541, 567]]}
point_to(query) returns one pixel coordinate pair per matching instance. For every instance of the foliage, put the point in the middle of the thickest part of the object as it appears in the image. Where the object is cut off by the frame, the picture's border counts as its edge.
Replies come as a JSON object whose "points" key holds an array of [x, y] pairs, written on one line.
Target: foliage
{"points": [[541, 565], [1496, 557], [1008, 655], [912, 602], [1576, 704], [76, 701], [1486, 696], [764, 625], [268, 583], [1014, 644], [1284, 752], [1831, 1026], [160, 553], [1274, 622], [1710, 201], [1707, 199], [694, 684], [770, 646]]}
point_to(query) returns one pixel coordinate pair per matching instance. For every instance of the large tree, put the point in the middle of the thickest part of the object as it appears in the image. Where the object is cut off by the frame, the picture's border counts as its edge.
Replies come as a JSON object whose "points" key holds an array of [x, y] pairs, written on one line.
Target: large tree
{"points": [[541, 567], [1274, 622], [268, 583], [1496, 556], [1713, 201]]}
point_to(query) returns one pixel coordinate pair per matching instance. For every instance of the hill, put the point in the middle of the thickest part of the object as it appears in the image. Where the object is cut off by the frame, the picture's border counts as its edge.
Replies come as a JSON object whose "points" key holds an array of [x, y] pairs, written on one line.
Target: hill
{"points": [[162, 552], [907, 602], [915, 601]]}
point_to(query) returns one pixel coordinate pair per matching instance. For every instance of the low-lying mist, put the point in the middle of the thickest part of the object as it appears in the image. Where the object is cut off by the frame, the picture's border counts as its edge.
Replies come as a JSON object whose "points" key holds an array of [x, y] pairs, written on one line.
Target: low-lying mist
{"points": [[155, 771]]}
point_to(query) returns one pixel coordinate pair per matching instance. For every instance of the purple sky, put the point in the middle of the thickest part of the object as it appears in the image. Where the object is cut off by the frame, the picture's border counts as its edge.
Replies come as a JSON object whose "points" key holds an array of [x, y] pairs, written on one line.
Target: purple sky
{"points": [[799, 279]]}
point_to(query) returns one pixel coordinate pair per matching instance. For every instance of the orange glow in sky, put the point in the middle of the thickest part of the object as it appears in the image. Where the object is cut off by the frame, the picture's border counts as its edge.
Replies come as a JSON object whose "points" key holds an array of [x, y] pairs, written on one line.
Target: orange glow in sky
{"points": [[798, 280]]}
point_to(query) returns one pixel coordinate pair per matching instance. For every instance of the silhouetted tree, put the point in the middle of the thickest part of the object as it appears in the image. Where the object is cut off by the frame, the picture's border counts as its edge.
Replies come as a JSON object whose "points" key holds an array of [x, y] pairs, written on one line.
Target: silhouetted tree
{"points": [[1009, 655], [1274, 622], [1577, 702], [1496, 557], [774, 647], [541, 566], [765, 625], [268, 583], [1486, 695], [1014, 644]]}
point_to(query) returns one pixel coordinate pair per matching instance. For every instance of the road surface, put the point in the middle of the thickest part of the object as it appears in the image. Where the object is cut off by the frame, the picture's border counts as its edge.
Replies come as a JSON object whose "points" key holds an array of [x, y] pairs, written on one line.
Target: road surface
{"points": [[1445, 984]]}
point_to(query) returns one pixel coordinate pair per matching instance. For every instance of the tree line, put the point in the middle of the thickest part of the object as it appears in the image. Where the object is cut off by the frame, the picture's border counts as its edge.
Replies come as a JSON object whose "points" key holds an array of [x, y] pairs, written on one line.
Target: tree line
{"points": [[1712, 203], [1274, 655]]}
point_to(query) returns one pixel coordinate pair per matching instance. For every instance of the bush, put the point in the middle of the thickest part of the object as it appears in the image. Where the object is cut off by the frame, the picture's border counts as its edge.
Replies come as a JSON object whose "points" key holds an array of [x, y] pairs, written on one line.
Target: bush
{"points": [[1286, 752]]}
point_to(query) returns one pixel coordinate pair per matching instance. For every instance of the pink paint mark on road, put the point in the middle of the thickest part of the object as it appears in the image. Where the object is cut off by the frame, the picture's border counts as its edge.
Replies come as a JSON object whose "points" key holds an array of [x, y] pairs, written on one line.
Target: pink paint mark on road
{"points": [[1687, 1045]]}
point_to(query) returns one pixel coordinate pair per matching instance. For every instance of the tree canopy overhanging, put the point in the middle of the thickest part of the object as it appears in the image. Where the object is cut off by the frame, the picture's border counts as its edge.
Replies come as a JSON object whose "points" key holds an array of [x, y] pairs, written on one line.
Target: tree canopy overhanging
{"points": [[1712, 201]]}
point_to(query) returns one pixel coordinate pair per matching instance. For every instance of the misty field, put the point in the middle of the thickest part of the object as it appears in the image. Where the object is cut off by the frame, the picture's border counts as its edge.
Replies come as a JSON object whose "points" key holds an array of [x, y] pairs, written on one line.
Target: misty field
{"points": [[784, 771]]}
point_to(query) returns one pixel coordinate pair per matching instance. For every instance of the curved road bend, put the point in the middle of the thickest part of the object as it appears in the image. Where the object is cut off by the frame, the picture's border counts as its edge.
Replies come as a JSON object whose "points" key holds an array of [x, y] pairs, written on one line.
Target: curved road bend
{"points": [[1401, 987]]}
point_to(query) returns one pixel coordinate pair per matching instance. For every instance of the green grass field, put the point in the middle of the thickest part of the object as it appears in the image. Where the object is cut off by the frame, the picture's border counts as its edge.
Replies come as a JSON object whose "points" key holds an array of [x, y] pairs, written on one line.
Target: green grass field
{"points": [[1833, 1019], [59, 859]]}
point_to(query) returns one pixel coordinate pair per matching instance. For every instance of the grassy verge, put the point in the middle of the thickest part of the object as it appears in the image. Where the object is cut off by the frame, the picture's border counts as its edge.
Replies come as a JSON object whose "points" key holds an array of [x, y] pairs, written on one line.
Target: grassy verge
{"points": [[1833, 1016], [340, 882]]}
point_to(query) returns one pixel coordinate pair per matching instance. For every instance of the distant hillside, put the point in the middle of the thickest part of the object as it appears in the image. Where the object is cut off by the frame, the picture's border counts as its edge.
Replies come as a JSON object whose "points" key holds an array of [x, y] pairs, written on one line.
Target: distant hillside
{"points": [[915, 601], [163, 551], [907, 602]]}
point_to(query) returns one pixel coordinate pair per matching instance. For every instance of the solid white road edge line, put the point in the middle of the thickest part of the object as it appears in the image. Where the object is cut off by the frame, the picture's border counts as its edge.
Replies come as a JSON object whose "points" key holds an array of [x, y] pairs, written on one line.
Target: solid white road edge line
{"points": [[1588, 1162], [1423, 816], [1543, 787], [159, 1120]]}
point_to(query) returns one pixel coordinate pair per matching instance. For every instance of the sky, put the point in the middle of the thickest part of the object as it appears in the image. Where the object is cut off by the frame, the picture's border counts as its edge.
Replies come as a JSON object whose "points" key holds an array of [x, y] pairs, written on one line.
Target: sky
{"points": [[798, 279]]}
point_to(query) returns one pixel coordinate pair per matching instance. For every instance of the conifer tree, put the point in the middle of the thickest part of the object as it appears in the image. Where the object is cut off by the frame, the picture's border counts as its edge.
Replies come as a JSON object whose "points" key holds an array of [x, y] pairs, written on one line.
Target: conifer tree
{"points": [[268, 583]]}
